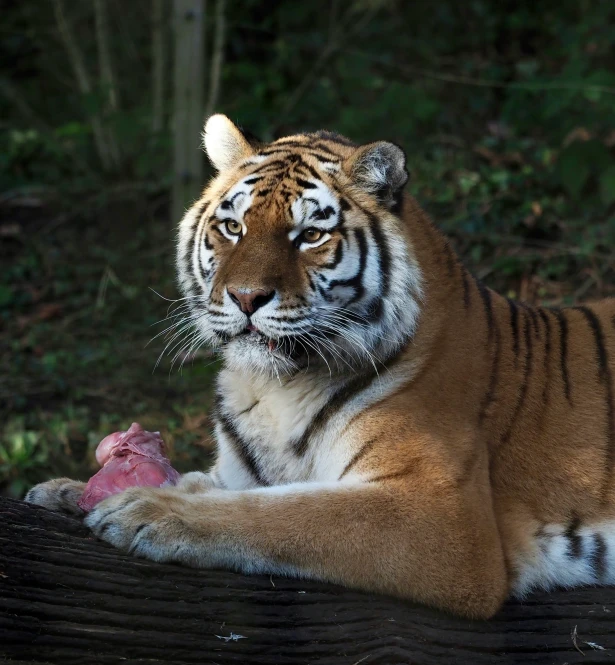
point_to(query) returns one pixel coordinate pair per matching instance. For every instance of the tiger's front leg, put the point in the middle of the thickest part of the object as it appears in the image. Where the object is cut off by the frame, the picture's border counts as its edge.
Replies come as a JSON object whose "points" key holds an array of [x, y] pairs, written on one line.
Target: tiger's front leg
{"points": [[442, 549], [61, 495]]}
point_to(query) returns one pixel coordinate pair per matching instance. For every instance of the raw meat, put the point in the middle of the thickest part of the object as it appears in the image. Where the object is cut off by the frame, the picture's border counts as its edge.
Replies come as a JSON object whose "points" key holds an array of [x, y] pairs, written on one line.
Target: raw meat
{"points": [[128, 459]]}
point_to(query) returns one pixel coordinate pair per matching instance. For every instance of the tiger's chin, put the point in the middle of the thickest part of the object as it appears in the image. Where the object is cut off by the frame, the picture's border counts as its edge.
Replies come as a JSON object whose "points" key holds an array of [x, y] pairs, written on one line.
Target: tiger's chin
{"points": [[254, 353]]}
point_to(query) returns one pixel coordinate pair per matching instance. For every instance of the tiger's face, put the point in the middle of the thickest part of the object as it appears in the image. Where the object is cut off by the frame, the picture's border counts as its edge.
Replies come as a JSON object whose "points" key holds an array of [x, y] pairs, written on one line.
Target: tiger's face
{"points": [[294, 256]]}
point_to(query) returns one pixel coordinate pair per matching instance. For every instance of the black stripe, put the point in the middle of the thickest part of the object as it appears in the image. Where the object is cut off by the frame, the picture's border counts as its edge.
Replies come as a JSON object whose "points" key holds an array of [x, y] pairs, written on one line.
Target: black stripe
{"points": [[292, 156], [384, 254], [563, 350], [485, 294], [394, 475], [529, 353], [197, 231], [306, 184], [375, 309], [534, 318], [334, 404], [575, 542], [544, 316], [203, 240], [355, 282], [308, 146], [325, 148], [598, 557], [334, 138], [514, 324], [312, 171], [359, 455], [241, 447], [252, 180], [493, 335], [338, 256], [248, 409], [269, 166], [489, 397], [604, 372]]}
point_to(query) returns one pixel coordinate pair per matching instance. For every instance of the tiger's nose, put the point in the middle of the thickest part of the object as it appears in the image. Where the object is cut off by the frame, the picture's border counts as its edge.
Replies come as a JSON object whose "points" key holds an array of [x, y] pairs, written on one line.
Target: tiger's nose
{"points": [[248, 300]]}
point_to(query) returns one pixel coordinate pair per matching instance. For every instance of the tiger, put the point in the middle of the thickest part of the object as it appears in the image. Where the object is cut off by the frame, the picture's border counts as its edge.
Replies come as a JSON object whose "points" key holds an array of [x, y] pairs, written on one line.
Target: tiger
{"points": [[383, 421]]}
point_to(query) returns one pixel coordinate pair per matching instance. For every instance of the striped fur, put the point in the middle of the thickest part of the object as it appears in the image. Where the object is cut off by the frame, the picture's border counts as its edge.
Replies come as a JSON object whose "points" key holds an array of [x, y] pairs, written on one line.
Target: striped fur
{"points": [[392, 424]]}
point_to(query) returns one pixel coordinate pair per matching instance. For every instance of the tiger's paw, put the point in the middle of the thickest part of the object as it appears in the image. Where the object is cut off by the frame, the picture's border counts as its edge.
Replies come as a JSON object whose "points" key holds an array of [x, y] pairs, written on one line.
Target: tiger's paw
{"points": [[60, 495], [146, 522], [195, 482]]}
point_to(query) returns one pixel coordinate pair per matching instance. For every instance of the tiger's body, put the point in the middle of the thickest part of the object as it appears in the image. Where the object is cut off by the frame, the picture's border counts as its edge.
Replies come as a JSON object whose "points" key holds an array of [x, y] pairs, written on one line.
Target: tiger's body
{"points": [[384, 420]]}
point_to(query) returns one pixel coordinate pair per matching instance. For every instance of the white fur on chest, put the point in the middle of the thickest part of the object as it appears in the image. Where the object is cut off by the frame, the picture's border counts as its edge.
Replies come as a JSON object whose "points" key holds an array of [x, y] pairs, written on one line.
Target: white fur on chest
{"points": [[271, 417]]}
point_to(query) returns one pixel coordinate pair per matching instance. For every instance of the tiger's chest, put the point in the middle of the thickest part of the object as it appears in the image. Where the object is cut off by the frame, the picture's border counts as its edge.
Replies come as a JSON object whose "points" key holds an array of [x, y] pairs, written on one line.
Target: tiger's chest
{"points": [[306, 429], [268, 421]]}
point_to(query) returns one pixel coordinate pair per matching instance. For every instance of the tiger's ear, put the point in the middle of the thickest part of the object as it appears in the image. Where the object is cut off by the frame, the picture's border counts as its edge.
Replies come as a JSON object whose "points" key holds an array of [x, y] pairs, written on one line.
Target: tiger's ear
{"points": [[380, 169], [224, 143]]}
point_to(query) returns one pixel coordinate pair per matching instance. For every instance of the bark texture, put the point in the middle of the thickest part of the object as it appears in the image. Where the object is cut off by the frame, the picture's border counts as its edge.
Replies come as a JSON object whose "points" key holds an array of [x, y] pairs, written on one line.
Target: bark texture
{"points": [[68, 598]]}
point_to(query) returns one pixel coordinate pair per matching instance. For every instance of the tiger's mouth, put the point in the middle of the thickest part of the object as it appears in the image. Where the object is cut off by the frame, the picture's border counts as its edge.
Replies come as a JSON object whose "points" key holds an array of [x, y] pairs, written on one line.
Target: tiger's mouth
{"points": [[257, 337], [287, 346]]}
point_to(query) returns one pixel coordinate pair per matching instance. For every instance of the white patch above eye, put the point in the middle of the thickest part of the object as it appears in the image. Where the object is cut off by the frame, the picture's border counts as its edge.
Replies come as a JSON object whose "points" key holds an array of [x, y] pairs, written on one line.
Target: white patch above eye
{"points": [[308, 208], [330, 167]]}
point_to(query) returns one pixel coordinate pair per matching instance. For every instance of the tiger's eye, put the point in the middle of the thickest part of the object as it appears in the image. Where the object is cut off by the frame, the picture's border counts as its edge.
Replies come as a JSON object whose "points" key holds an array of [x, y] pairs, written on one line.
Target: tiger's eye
{"points": [[233, 227], [312, 235]]}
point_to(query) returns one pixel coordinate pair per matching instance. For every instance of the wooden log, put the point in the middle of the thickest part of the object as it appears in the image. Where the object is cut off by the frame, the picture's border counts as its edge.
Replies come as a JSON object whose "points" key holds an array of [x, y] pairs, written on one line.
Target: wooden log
{"points": [[67, 598]]}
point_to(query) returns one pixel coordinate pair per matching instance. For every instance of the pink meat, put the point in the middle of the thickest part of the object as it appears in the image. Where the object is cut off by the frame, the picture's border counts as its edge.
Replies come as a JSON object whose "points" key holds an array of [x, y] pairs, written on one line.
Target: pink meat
{"points": [[134, 458]]}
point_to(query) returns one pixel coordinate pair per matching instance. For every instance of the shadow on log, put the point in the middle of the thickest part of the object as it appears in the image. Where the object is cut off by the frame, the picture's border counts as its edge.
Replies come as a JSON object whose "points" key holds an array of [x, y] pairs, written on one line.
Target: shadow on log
{"points": [[68, 598]]}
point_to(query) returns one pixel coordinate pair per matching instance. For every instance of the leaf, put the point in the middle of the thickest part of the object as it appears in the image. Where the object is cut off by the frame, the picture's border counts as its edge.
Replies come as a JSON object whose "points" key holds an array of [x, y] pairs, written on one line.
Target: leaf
{"points": [[607, 185]]}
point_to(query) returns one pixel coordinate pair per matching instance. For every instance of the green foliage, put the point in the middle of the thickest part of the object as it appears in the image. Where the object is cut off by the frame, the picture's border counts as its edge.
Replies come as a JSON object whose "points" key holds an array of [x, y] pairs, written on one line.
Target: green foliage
{"points": [[21, 456]]}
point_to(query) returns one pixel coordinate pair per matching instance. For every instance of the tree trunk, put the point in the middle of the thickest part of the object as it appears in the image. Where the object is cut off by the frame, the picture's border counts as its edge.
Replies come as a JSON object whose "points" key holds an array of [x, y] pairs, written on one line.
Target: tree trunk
{"points": [[217, 58], [77, 62], [158, 64], [106, 75], [189, 16], [68, 598]]}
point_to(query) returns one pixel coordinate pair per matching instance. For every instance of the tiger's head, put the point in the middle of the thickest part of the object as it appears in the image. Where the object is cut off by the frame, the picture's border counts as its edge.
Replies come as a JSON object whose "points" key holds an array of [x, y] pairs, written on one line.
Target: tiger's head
{"points": [[295, 254]]}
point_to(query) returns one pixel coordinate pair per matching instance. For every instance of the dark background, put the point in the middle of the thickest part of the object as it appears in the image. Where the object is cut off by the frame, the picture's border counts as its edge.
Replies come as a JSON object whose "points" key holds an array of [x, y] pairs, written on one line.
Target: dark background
{"points": [[506, 111]]}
